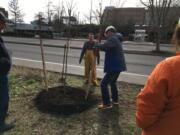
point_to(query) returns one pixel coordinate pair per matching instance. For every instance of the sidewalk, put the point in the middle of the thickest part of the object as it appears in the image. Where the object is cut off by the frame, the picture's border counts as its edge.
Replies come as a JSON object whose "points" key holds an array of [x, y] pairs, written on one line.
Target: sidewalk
{"points": [[79, 70]]}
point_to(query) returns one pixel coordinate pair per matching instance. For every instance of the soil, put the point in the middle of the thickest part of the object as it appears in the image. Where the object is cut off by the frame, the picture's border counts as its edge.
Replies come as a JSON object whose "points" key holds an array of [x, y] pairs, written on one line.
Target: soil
{"points": [[65, 100]]}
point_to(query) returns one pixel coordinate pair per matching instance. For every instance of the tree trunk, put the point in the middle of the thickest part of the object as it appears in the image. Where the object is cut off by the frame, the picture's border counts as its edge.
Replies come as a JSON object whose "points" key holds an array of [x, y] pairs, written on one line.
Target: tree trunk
{"points": [[158, 40]]}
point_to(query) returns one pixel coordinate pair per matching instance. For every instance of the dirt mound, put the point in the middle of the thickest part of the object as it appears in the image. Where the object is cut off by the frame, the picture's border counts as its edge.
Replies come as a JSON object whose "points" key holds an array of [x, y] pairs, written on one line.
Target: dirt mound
{"points": [[66, 102]]}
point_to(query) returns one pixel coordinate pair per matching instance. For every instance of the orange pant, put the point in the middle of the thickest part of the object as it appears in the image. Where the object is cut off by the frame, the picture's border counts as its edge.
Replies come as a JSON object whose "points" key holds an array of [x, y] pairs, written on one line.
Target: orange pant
{"points": [[90, 66]]}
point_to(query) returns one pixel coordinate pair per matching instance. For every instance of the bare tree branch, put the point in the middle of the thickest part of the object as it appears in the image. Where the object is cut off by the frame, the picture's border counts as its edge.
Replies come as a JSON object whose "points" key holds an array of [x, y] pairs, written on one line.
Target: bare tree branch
{"points": [[142, 2], [118, 3], [15, 11], [49, 11], [158, 10], [98, 12], [59, 9]]}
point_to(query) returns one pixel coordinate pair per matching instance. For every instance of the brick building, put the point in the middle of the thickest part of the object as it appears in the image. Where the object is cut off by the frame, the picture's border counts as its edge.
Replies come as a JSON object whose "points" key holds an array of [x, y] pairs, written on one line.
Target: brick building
{"points": [[137, 16], [123, 16]]}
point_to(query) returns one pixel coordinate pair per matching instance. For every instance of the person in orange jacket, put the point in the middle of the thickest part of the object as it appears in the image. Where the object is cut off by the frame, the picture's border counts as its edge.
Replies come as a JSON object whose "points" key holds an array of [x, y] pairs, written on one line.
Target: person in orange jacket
{"points": [[90, 55], [158, 103]]}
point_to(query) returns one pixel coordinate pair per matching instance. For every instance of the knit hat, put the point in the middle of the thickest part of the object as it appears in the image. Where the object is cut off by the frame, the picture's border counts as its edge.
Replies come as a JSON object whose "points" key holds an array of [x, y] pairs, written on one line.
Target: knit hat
{"points": [[110, 28]]}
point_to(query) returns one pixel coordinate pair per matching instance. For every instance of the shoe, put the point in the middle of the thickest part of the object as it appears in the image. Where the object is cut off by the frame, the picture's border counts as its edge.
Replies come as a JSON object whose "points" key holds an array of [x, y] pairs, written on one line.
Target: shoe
{"points": [[95, 83], [6, 127], [103, 107], [115, 102], [7, 115], [86, 82]]}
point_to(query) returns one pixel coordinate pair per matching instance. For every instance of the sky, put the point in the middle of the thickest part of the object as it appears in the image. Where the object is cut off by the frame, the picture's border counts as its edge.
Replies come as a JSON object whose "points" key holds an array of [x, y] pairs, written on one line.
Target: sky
{"points": [[32, 7]]}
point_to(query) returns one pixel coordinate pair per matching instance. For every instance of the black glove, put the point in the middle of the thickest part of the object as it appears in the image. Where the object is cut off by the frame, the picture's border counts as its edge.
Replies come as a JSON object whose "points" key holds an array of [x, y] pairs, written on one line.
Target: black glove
{"points": [[98, 62], [79, 61], [5, 65]]}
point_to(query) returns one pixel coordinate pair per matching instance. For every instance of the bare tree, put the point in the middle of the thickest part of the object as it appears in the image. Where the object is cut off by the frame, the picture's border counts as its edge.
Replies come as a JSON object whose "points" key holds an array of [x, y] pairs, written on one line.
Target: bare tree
{"points": [[171, 20], [58, 16], [59, 10], [98, 13], [70, 6], [40, 19], [176, 3], [117, 3], [158, 10], [49, 12], [15, 11], [89, 17]]}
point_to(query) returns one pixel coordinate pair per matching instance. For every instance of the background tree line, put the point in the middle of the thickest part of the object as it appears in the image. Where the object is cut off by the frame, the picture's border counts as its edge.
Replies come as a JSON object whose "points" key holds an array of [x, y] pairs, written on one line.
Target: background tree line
{"points": [[64, 16]]}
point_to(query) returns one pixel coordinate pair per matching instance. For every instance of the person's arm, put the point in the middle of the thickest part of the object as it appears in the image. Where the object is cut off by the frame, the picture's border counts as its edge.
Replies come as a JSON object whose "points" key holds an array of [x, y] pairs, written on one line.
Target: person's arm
{"points": [[119, 36], [4, 50], [110, 43], [152, 99], [82, 53]]}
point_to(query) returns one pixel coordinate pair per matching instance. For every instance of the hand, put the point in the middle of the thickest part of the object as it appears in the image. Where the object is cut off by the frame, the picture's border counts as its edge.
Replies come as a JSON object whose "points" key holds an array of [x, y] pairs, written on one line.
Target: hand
{"points": [[98, 62], [79, 61]]}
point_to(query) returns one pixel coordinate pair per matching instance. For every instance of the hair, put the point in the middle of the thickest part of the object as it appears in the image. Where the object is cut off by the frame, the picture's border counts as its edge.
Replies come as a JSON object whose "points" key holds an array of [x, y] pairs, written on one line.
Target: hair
{"points": [[176, 37]]}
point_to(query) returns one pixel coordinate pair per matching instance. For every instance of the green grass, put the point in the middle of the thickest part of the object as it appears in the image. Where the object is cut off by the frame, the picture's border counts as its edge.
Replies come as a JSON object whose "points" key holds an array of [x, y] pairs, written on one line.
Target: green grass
{"points": [[25, 84]]}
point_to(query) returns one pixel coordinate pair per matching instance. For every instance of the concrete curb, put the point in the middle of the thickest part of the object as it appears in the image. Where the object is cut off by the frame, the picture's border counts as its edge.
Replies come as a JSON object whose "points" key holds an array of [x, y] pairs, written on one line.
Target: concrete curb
{"points": [[78, 70]]}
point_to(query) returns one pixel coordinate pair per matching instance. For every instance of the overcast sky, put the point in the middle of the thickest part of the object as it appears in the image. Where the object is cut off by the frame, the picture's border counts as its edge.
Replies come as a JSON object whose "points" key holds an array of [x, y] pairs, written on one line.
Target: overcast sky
{"points": [[31, 7]]}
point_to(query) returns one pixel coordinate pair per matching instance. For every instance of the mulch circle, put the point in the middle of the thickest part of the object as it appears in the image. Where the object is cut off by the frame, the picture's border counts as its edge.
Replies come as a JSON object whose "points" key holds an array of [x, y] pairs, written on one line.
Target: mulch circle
{"points": [[70, 100]]}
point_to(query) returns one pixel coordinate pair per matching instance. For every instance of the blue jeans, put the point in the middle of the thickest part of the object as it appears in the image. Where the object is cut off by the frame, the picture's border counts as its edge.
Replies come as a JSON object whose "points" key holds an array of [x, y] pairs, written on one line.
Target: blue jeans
{"points": [[4, 97], [109, 79]]}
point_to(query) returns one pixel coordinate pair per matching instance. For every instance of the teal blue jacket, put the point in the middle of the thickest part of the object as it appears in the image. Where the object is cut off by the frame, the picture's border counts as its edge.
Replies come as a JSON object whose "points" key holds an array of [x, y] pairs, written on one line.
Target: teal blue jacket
{"points": [[114, 55]]}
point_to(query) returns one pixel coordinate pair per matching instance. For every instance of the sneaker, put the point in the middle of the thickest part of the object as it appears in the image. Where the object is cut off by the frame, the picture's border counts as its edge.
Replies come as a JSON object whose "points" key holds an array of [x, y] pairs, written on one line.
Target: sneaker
{"points": [[95, 83], [7, 115], [86, 82], [115, 102], [6, 127], [103, 107]]}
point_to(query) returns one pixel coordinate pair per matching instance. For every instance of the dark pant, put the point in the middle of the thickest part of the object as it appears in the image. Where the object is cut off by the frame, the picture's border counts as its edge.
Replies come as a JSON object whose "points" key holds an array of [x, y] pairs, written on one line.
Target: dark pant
{"points": [[109, 79], [4, 97]]}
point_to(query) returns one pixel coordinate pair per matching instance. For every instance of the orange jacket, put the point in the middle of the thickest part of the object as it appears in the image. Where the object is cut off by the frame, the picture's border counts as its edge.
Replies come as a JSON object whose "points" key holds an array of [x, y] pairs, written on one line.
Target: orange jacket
{"points": [[158, 104]]}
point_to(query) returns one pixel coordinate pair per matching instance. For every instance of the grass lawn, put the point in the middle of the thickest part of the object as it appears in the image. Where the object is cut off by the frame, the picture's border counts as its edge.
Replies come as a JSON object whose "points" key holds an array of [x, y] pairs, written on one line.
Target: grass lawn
{"points": [[25, 84]]}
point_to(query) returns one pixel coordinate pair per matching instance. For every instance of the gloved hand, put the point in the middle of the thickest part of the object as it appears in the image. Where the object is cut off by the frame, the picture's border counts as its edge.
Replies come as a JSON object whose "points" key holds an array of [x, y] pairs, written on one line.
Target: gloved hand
{"points": [[79, 61], [98, 62]]}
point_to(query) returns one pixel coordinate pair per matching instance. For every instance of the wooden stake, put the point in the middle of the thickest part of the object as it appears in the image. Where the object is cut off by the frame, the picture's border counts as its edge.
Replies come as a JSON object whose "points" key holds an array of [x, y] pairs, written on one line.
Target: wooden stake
{"points": [[44, 64], [42, 53]]}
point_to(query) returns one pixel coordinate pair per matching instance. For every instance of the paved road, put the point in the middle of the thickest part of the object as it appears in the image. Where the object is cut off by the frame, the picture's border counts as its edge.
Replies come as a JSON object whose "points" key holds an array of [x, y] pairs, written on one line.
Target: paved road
{"points": [[140, 46], [141, 64]]}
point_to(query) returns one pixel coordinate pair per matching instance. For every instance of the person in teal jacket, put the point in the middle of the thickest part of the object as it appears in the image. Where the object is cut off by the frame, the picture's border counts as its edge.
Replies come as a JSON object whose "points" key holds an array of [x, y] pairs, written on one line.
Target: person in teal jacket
{"points": [[114, 64]]}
